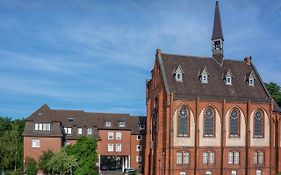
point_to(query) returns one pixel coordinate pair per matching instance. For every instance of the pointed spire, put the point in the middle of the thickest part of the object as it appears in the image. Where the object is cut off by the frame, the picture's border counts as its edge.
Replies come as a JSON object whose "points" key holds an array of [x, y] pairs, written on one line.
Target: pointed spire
{"points": [[217, 29]]}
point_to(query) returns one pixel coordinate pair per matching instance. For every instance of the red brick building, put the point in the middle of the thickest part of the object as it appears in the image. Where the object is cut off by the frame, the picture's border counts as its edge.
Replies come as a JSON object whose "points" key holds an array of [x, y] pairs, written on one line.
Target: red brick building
{"points": [[120, 136], [210, 116]]}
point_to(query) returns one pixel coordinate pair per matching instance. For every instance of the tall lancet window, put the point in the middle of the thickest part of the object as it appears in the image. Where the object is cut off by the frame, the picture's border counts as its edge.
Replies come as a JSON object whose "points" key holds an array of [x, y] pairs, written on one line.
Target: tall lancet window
{"points": [[183, 122], [209, 123], [234, 123], [258, 124]]}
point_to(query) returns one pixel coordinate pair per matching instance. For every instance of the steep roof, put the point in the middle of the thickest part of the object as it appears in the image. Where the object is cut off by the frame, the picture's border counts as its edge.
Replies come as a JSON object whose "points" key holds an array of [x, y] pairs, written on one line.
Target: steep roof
{"points": [[217, 29], [79, 118], [191, 87]]}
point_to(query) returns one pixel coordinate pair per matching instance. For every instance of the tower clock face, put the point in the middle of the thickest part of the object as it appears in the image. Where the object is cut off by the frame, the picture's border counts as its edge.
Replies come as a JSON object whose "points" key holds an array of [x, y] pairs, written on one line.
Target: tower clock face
{"points": [[183, 112]]}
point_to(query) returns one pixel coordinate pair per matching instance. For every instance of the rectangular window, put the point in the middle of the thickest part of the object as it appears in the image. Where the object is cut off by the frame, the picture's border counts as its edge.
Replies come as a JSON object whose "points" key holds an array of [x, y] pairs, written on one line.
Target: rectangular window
{"points": [[230, 157], [90, 131], [42, 126], [255, 158], [179, 158], [258, 172], [110, 135], [110, 147], [261, 158], [212, 157], [118, 147], [139, 148], [108, 124], [79, 131], [138, 159], [139, 137], [205, 158], [233, 172], [118, 135], [122, 124], [236, 157], [35, 143], [68, 131], [185, 159]]}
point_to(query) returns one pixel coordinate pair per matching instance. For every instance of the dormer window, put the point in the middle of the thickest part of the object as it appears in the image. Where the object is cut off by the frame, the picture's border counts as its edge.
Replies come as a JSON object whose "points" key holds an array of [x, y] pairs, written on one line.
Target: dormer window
{"points": [[251, 79], [71, 120], [178, 74], [108, 124], [204, 79], [251, 82], [228, 78], [142, 126], [203, 76], [122, 124]]}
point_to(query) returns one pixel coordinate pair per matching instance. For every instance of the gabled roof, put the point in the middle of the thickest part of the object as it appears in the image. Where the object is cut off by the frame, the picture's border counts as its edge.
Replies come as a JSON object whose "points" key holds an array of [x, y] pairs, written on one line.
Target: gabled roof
{"points": [[216, 88], [217, 29], [79, 119]]}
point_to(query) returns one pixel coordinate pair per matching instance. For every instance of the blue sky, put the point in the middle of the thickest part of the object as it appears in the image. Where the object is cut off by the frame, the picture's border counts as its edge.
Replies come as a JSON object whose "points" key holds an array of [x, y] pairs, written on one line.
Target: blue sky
{"points": [[96, 55]]}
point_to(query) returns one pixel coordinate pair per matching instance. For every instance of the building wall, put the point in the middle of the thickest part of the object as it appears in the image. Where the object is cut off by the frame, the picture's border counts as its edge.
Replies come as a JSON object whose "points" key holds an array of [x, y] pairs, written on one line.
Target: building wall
{"points": [[46, 143], [161, 159], [134, 153]]}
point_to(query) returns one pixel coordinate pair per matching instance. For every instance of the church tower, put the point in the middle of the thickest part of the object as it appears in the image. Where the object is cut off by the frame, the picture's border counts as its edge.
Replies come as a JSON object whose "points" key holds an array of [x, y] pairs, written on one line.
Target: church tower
{"points": [[217, 37]]}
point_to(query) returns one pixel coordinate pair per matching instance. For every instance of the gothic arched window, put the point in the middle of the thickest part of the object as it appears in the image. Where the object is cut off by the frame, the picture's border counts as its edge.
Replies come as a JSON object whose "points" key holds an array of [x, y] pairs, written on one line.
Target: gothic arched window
{"points": [[258, 124], [183, 119], [234, 123], [209, 122]]}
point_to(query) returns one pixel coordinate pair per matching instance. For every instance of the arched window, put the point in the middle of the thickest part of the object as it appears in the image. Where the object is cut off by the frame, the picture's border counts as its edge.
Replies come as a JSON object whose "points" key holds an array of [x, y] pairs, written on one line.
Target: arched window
{"points": [[234, 123], [258, 124], [183, 119], [209, 122]]}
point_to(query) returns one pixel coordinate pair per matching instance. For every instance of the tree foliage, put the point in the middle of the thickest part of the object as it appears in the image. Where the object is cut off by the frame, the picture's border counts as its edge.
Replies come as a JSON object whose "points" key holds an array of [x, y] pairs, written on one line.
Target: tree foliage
{"points": [[31, 168], [44, 159], [11, 143], [85, 153], [61, 163], [275, 91]]}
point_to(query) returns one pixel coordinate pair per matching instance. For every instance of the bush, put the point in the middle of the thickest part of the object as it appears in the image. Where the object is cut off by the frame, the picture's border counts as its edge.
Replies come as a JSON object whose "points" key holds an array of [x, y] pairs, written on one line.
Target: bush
{"points": [[31, 168]]}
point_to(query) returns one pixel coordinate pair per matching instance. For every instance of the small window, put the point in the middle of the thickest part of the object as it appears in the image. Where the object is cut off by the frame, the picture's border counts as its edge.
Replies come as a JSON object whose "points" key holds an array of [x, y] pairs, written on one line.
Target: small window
{"points": [[118, 135], [35, 143], [208, 173], [139, 137], [90, 131], [110, 147], [211, 157], [108, 124], [70, 120], [230, 157], [185, 159], [251, 82], [233, 172], [205, 158], [179, 158], [110, 135], [228, 81], [139, 148], [142, 126], [138, 159], [236, 157], [79, 131], [182, 173], [68, 131], [258, 172], [118, 147], [122, 124], [204, 79], [258, 158]]}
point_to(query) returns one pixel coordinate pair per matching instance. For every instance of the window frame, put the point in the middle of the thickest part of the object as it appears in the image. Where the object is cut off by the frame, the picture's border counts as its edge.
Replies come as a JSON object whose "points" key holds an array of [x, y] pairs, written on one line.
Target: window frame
{"points": [[110, 147], [139, 137], [239, 123], [138, 148], [110, 135], [35, 143], [187, 120], [118, 147], [89, 131], [108, 124], [78, 131], [118, 135], [214, 123], [122, 124], [262, 124], [228, 82]]}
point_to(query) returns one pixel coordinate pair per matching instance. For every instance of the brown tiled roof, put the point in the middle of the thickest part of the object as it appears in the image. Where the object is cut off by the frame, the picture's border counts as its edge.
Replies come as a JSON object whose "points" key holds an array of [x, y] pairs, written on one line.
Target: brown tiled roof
{"points": [[79, 119], [191, 87]]}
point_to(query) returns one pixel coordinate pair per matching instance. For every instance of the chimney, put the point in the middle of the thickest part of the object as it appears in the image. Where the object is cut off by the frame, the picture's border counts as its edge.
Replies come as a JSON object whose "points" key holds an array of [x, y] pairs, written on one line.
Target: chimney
{"points": [[248, 60], [158, 53]]}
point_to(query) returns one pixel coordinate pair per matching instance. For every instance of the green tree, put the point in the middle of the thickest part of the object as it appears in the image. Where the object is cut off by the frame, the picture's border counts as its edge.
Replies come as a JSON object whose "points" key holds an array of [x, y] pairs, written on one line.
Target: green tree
{"points": [[275, 91], [61, 163], [44, 159], [31, 168], [11, 143], [85, 152]]}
